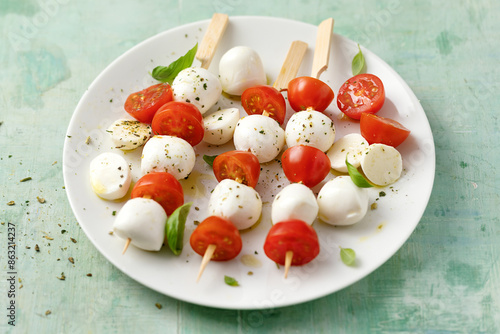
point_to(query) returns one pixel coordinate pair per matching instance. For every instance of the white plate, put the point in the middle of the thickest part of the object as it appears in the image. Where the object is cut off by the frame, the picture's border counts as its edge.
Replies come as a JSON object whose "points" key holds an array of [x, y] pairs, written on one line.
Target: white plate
{"points": [[375, 239]]}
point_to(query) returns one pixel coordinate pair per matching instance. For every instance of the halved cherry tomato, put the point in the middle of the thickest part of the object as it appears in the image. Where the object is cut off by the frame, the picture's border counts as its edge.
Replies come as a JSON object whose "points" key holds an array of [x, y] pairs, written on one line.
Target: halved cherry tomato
{"points": [[144, 104], [163, 188], [309, 92], [219, 232], [179, 119], [382, 130], [292, 235], [363, 93], [255, 100], [239, 166], [305, 164]]}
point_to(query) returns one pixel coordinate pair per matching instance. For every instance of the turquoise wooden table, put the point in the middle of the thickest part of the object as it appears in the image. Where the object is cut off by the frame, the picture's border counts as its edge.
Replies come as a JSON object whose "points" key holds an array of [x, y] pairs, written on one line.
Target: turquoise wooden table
{"points": [[445, 278]]}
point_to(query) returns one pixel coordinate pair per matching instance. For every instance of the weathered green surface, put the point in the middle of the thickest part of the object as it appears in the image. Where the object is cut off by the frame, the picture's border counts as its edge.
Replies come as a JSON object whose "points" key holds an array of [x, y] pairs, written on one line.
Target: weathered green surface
{"points": [[446, 278]]}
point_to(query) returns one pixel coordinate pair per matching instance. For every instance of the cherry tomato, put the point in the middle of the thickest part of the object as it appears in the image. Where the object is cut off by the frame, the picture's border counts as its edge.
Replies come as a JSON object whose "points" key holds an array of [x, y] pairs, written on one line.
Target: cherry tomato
{"points": [[363, 93], [309, 92], [239, 166], [376, 129], [180, 119], [219, 232], [305, 164], [292, 235], [257, 99], [144, 104], [163, 188]]}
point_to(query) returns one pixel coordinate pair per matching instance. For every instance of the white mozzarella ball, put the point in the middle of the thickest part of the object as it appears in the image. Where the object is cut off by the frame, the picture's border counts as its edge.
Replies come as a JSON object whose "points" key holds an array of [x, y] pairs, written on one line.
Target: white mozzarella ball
{"points": [[198, 86], [220, 125], [260, 135], [241, 68], [143, 221], [129, 134], [351, 146], [236, 202], [295, 201], [341, 202], [382, 164], [168, 154], [110, 176], [310, 128]]}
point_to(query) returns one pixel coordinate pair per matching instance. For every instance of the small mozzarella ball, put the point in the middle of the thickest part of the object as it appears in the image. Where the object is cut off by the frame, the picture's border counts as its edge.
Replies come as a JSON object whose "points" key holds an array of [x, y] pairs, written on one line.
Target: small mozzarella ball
{"points": [[382, 164], [341, 202], [198, 86], [220, 125], [236, 202], [260, 135], [241, 68], [295, 201], [129, 134], [311, 128], [351, 146], [143, 221], [168, 154], [110, 176]]}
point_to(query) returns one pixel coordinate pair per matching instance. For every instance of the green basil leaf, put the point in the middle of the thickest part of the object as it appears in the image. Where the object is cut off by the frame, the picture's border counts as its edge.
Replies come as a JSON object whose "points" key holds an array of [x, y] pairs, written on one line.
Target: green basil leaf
{"points": [[230, 281], [358, 63], [175, 228], [209, 159], [356, 176], [168, 73], [347, 255]]}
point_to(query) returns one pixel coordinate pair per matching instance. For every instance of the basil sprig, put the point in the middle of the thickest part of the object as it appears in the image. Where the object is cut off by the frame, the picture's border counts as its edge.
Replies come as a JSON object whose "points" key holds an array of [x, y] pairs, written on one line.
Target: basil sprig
{"points": [[356, 176], [358, 63], [168, 73], [175, 228], [209, 159], [230, 281], [347, 255]]}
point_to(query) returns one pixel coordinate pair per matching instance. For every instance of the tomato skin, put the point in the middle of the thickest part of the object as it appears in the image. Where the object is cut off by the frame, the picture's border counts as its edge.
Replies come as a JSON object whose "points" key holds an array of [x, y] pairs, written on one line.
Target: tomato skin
{"points": [[369, 94], [162, 187], [382, 130], [255, 100], [305, 164], [309, 92], [235, 165], [220, 232], [292, 235], [143, 105], [179, 119]]}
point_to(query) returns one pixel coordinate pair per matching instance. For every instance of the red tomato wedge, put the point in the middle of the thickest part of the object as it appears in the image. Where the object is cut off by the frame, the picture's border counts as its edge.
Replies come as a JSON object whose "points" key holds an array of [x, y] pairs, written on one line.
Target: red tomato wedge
{"points": [[363, 93], [163, 188], [144, 104], [382, 130], [257, 99], [219, 232], [309, 92], [240, 166], [292, 235], [305, 164], [179, 119]]}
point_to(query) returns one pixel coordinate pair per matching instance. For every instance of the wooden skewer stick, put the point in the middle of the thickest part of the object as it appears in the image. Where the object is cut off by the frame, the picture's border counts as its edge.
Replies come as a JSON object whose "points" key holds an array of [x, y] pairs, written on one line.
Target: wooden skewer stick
{"points": [[322, 49], [216, 29], [206, 258], [288, 262], [291, 65], [127, 243]]}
